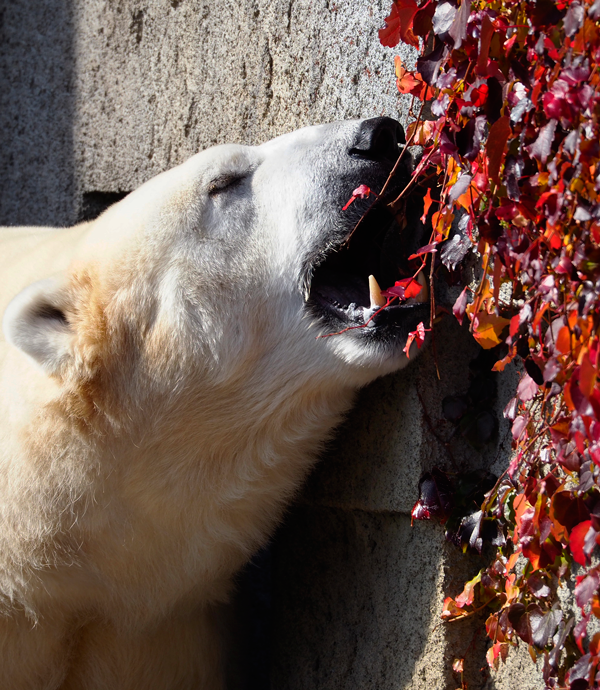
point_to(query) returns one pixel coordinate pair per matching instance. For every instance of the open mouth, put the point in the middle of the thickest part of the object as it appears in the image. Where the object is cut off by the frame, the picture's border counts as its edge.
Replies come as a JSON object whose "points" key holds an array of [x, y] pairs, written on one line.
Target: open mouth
{"points": [[347, 281]]}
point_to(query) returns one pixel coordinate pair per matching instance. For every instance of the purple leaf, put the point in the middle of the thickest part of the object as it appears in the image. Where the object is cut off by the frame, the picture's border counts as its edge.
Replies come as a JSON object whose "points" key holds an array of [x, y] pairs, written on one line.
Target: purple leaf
{"points": [[443, 18], [587, 587], [510, 411], [538, 586], [543, 626], [458, 30], [429, 65], [527, 388], [542, 146], [519, 425], [573, 20], [460, 186], [435, 497], [455, 250], [551, 369], [460, 306]]}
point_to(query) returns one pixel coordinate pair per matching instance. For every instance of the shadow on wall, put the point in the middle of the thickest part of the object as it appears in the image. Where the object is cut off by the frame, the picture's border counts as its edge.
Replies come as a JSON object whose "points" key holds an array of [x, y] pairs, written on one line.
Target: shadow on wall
{"points": [[37, 113], [351, 578], [358, 592]]}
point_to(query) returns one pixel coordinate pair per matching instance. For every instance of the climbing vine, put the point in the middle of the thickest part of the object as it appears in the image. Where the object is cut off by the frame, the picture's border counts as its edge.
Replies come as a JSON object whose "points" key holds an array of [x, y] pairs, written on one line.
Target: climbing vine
{"points": [[513, 144]]}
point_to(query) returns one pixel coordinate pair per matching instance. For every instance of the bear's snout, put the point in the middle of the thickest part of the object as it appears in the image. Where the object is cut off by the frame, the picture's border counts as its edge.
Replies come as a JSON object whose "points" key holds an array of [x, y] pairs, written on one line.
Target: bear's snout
{"points": [[378, 139]]}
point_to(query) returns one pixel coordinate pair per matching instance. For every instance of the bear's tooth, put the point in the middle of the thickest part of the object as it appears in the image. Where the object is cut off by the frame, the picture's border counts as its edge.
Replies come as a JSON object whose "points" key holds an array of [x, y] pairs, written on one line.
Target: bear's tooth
{"points": [[377, 299]]}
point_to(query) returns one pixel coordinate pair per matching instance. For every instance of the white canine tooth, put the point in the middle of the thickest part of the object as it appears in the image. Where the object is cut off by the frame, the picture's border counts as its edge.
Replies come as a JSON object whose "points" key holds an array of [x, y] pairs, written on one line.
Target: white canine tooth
{"points": [[377, 299]]}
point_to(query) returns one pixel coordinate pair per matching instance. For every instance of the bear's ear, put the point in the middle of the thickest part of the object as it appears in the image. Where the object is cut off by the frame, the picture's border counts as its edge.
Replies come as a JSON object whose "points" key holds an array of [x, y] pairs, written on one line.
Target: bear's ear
{"points": [[35, 323]]}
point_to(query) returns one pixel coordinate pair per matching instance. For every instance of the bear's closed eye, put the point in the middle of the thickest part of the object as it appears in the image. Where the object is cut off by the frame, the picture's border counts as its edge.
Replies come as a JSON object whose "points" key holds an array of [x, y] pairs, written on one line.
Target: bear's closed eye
{"points": [[223, 182]]}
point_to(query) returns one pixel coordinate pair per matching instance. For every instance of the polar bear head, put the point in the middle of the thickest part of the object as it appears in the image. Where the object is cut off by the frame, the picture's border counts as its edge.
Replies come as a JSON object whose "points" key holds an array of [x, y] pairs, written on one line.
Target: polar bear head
{"points": [[167, 383], [237, 258]]}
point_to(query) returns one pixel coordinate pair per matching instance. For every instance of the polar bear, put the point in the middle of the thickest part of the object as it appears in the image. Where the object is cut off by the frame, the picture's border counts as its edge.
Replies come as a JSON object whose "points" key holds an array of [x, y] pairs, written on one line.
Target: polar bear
{"points": [[165, 388]]}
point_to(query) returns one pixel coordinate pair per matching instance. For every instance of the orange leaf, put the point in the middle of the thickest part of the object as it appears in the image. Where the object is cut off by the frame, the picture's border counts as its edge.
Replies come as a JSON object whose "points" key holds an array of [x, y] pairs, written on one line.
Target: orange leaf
{"points": [[501, 364], [563, 340], [467, 596], [596, 606], [469, 198], [587, 375], [427, 201], [451, 610], [423, 130], [487, 328], [595, 644], [538, 317], [408, 83], [567, 396]]}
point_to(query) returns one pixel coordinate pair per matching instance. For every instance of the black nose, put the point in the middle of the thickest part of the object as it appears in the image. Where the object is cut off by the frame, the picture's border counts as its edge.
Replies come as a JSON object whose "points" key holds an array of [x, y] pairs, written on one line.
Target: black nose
{"points": [[378, 140]]}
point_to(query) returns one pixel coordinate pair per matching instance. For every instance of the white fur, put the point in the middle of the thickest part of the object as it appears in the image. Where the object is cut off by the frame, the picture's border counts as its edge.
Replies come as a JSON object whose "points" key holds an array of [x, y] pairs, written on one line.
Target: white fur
{"points": [[150, 440]]}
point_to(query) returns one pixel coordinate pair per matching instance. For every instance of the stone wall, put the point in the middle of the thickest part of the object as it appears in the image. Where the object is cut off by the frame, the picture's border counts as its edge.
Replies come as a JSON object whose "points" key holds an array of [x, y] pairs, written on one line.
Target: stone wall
{"points": [[97, 96]]}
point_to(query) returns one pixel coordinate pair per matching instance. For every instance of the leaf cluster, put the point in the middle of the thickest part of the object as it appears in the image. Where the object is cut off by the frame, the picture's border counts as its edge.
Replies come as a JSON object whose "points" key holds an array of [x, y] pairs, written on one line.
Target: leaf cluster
{"points": [[514, 90]]}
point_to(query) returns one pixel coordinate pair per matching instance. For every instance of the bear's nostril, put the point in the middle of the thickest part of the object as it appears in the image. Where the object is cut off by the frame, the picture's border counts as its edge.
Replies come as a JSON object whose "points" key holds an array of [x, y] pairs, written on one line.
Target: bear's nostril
{"points": [[378, 139]]}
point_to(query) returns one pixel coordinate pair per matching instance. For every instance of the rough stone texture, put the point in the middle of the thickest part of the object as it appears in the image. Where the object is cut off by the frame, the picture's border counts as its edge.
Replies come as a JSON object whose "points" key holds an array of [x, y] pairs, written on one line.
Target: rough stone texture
{"points": [[96, 96], [387, 441], [363, 588], [349, 587], [36, 113], [159, 81]]}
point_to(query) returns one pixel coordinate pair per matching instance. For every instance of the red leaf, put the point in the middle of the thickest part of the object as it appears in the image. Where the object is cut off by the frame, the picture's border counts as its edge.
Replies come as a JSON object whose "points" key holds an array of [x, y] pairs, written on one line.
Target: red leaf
{"points": [[412, 289], [362, 192], [398, 26], [418, 335], [404, 289], [499, 133], [515, 322], [408, 83], [406, 349], [567, 510], [390, 35], [427, 249], [576, 542], [487, 31]]}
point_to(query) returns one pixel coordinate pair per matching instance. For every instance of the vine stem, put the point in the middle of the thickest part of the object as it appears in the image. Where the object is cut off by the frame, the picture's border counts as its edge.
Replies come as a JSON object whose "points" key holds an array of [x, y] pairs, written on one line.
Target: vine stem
{"points": [[390, 177]]}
